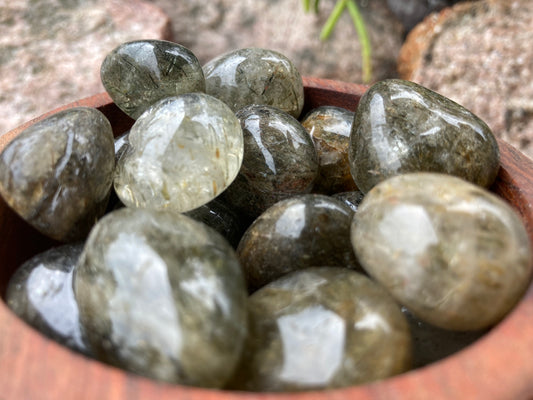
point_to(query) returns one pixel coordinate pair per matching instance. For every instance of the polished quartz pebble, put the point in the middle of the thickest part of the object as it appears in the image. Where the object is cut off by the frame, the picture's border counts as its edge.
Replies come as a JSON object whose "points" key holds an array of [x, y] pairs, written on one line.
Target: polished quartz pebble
{"points": [[351, 199], [431, 344], [279, 162], [57, 174], [453, 253], [182, 153], [121, 145], [304, 231], [40, 292], [163, 296], [402, 127], [137, 74], [255, 76], [330, 128], [222, 218], [322, 328]]}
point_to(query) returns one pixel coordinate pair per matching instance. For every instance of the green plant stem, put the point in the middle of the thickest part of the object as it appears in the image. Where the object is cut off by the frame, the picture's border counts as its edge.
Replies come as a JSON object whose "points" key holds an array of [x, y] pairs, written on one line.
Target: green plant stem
{"points": [[366, 53], [332, 19], [307, 5]]}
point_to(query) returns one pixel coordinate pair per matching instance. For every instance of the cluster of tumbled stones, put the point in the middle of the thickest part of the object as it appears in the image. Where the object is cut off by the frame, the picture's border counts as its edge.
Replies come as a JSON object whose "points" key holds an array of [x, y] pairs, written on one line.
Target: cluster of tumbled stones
{"points": [[260, 249]]}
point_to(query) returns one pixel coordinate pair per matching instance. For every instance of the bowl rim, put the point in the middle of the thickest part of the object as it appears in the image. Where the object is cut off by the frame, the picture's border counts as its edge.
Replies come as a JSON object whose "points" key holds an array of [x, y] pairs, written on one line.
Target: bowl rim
{"points": [[497, 366]]}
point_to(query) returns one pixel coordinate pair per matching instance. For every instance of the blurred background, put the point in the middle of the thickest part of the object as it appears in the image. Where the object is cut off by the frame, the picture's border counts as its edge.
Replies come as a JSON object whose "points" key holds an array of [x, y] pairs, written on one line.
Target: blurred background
{"points": [[478, 53]]}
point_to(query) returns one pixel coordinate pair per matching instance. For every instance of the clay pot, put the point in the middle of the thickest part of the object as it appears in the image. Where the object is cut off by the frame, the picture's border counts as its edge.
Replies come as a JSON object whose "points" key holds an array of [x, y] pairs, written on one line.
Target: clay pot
{"points": [[498, 366]]}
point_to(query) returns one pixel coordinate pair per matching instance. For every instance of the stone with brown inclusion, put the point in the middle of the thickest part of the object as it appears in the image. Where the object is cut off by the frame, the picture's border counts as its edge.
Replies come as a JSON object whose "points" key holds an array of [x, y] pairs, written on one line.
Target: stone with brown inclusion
{"points": [[457, 256], [322, 328]]}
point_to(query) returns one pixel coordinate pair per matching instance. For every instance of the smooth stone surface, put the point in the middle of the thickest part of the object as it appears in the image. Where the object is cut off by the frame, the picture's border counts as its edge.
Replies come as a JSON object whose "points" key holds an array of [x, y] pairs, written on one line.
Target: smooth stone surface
{"points": [[163, 296], [330, 128], [402, 127], [137, 74], [57, 174], [322, 328], [304, 231], [351, 199], [280, 160], [255, 76], [40, 292], [222, 218], [183, 152], [431, 344], [453, 253]]}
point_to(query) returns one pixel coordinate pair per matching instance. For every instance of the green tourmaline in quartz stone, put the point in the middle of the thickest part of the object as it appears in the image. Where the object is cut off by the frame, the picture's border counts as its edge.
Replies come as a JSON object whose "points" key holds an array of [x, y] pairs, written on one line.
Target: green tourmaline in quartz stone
{"points": [[454, 254], [322, 328], [300, 232], [57, 174], [279, 162], [330, 128], [137, 74], [181, 153], [40, 292], [162, 295], [402, 127], [255, 76]]}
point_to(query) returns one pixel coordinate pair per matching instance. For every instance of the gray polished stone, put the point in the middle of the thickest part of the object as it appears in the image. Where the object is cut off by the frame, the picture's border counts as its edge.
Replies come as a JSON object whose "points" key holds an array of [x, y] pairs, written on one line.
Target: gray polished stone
{"points": [[57, 174], [255, 76], [182, 153], [305, 231], [322, 328], [162, 295], [40, 292], [402, 127], [137, 74], [453, 253], [330, 128]]}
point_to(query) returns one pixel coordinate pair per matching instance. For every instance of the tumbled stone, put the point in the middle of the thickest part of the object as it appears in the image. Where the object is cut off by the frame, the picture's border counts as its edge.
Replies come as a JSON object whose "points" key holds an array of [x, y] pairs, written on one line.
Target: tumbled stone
{"points": [[182, 153], [137, 74], [402, 127], [304, 231], [453, 253], [121, 144], [351, 199], [431, 344], [57, 174], [222, 218], [322, 328], [330, 128], [255, 76], [40, 292], [162, 295], [279, 162]]}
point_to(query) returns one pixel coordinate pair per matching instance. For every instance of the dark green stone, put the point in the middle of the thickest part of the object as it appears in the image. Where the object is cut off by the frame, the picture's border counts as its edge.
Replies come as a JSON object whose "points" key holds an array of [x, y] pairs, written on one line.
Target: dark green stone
{"points": [[162, 295], [305, 231], [137, 74], [330, 128], [255, 76], [402, 127], [322, 328], [57, 174], [40, 292], [279, 161], [453, 253]]}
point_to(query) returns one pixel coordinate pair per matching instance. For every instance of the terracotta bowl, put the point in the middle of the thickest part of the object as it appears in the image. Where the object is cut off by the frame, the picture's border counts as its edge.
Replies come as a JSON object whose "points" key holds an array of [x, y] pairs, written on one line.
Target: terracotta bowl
{"points": [[498, 366]]}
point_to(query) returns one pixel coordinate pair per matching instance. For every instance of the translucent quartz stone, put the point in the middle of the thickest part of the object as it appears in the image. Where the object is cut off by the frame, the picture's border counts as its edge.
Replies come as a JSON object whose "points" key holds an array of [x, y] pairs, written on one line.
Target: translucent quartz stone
{"points": [[454, 254], [322, 328], [255, 76], [138, 74], [57, 174], [351, 199], [402, 127], [280, 160], [182, 152], [40, 292], [162, 295], [330, 128], [304, 231]]}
